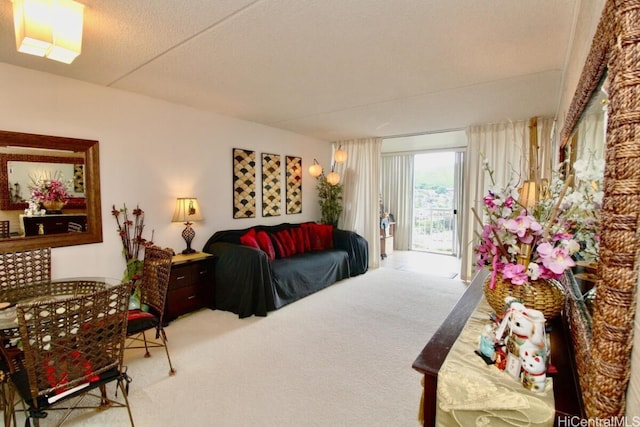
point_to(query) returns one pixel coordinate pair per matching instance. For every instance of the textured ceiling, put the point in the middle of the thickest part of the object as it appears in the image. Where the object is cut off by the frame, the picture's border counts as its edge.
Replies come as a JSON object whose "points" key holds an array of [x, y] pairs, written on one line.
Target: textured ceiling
{"points": [[330, 69]]}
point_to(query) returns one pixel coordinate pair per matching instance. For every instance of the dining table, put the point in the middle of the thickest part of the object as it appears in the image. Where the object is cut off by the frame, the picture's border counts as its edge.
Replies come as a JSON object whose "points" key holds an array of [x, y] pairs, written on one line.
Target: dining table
{"points": [[11, 355], [39, 291]]}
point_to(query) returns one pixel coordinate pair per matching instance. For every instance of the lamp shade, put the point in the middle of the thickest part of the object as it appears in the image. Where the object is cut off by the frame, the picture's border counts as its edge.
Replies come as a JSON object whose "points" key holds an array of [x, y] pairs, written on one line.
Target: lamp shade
{"points": [[315, 170], [340, 156], [187, 210], [333, 178], [51, 28], [528, 195]]}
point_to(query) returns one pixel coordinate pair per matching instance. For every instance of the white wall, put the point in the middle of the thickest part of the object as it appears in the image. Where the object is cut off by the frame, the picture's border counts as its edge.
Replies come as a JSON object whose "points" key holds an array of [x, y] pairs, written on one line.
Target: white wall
{"points": [[151, 152]]}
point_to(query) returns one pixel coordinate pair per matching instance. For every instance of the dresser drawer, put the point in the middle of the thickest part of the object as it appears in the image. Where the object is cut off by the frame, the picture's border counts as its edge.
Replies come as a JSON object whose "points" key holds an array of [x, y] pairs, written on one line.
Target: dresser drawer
{"points": [[184, 300], [185, 275], [191, 285]]}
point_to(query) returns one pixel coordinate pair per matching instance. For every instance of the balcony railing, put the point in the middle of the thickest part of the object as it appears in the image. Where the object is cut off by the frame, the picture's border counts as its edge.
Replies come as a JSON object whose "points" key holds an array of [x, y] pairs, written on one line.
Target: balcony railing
{"points": [[433, 230]]}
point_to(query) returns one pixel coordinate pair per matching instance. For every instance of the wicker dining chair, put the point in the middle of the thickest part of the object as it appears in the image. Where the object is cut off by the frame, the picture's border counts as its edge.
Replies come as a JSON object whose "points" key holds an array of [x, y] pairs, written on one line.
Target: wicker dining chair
{"points": [[73, 347], [20, 269], [153, 285]]}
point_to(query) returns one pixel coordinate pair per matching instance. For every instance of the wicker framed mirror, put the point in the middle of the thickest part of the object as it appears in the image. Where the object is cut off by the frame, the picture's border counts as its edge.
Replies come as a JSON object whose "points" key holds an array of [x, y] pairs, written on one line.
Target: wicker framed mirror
{"points": [[66, 148], [603, 352]]}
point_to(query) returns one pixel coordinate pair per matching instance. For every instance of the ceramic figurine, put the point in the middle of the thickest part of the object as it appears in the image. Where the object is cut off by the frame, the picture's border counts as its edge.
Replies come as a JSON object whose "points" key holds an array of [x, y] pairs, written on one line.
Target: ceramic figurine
{"points": [[534, 368], [501, 359], [523, 325], [487, 343], [526, 344]]}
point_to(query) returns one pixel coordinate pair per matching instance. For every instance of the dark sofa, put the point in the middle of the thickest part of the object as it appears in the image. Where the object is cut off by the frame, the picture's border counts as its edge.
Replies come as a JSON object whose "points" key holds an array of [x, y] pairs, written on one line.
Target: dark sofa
{"points": [[253, 281]]}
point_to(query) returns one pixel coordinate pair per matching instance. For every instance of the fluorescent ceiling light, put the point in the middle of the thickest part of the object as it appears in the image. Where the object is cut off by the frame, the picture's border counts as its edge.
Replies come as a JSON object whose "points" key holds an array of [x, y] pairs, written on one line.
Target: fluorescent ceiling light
{"points": [[50, 28]]}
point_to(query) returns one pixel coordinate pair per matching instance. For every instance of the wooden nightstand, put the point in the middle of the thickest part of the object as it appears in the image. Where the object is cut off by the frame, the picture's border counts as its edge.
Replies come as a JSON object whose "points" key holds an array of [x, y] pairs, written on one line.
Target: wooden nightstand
{"points": [[191, 285]]}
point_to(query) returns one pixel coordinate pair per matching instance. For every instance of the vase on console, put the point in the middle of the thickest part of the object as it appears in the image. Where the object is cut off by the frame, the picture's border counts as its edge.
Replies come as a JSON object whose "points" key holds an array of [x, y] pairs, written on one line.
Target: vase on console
{"points": [[545, 295], [53, 206]]}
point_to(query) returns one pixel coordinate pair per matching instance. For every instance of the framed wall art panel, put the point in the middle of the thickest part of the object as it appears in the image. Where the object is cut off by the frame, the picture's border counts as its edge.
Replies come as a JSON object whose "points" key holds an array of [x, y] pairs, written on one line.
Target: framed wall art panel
{"points": [[271, 184], [244, 183], [294, 185]]}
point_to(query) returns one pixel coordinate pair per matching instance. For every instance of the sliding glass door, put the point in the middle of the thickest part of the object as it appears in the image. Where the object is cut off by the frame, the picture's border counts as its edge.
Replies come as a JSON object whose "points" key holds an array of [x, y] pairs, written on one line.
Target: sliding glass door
{"points": [[437, 179]]}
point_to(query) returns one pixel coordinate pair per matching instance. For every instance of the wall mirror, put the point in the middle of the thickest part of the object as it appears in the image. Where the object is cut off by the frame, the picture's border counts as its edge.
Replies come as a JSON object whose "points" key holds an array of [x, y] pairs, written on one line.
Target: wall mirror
{"points": [[588, 137], [24, 157], [603, 346]]}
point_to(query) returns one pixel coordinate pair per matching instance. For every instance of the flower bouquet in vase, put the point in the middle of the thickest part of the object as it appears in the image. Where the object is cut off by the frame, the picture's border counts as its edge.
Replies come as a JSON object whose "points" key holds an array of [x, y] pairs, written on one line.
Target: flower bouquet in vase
{"points": [[51, 192], [130, 232], [527, 243]]}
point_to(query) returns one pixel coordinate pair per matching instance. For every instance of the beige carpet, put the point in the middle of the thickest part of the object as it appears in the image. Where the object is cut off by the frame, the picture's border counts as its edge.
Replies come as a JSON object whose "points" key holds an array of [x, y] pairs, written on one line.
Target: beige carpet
{"points": [[340, 357]]}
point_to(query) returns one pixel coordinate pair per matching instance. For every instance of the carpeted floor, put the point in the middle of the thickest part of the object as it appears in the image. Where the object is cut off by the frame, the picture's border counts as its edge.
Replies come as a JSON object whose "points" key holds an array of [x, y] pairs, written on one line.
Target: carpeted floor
{"points": [[340, 357]]}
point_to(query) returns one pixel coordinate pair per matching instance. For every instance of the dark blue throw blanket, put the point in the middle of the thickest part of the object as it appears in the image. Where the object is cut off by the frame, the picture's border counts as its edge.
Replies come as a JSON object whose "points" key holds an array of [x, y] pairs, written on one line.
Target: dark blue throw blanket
{"points": [[247, 283]]}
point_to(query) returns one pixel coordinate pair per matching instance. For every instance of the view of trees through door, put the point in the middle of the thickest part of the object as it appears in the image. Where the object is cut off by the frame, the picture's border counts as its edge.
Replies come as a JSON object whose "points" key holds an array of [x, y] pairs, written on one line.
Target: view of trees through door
{"points": [[434, 201]]}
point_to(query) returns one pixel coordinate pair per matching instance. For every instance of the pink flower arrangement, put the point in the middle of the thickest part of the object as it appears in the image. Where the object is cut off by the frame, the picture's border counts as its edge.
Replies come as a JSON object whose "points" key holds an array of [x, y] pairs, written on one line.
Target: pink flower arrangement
{"points": [[49, 190], [525, 244]]}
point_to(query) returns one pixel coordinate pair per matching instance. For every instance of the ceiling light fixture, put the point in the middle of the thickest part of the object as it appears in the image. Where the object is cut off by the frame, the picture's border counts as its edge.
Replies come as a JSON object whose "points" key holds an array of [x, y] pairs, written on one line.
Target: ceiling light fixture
{"points": [[49, 28]]}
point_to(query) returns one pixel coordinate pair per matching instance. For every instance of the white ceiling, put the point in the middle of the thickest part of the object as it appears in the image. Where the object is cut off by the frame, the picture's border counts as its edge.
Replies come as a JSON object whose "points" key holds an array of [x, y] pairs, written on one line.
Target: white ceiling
{"points": [[330, 69]]}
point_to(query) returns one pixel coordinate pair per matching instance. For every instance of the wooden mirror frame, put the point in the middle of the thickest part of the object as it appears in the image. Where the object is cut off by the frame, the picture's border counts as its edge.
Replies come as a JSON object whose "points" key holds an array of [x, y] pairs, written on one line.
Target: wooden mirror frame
{"points": [[604, 356], [92, 197]]}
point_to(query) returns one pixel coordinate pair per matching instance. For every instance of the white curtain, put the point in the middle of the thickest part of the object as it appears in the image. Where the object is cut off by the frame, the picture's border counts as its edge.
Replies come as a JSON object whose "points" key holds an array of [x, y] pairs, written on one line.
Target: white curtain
{"points": [[397, 195], [592, 134], [547, 154], [361, 188], [506, 148], [459, 202]]}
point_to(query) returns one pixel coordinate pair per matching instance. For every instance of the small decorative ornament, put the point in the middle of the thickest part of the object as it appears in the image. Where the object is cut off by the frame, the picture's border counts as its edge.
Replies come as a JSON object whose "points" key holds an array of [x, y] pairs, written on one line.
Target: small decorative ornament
{"points": [[527, 348], [534, 368], [486, 346]]}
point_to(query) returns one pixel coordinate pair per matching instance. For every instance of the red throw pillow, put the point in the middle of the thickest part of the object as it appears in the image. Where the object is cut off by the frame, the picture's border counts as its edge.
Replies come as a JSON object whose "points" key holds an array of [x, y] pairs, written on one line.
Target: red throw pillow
{"points": [[305, 236], [316, 237], [287, 242], [249, 239], [298, 239], [311, 242], [278, 246], [326, 235], [265, 244]]}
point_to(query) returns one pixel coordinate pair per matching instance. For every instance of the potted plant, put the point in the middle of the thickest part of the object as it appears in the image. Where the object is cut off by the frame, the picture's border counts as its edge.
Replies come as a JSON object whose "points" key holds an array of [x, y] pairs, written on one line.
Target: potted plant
{"points": [[330, 199]]}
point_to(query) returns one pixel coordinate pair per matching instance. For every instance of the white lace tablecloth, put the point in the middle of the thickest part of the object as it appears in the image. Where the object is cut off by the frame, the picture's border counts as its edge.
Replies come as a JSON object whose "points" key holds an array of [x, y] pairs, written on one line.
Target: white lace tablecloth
{"points": [[472, 393]]}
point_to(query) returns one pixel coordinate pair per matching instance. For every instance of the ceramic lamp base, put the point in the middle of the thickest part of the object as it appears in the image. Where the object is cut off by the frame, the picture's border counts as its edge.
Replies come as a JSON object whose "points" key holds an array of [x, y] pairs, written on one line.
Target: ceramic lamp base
{"points": [[188, 234]]}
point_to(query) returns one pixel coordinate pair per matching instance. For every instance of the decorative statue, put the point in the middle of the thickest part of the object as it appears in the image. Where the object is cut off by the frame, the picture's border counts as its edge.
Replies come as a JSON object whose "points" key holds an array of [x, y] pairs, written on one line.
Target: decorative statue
{"points": [[526, 343], [487, 345], [524, 324], [534, 367]]}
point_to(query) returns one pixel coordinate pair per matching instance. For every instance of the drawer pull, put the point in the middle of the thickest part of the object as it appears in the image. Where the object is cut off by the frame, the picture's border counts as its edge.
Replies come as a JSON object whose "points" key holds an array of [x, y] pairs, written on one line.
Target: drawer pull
{"points": [[180, 277], [191, 297], [203, 272]]}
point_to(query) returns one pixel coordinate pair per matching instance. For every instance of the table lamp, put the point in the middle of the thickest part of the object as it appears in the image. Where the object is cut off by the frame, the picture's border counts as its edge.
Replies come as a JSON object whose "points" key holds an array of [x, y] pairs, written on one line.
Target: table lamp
{"points": [[187, 211]]}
